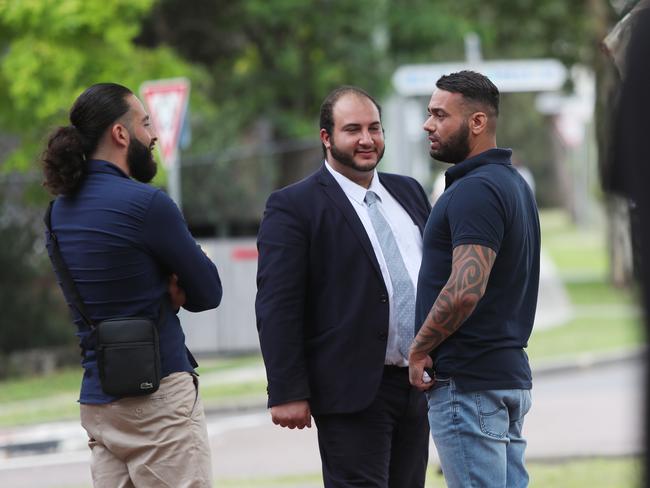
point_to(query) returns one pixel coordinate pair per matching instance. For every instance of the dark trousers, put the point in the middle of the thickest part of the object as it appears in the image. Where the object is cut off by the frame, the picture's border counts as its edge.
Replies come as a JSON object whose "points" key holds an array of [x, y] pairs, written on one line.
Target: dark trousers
{"points": [[384, 446]]}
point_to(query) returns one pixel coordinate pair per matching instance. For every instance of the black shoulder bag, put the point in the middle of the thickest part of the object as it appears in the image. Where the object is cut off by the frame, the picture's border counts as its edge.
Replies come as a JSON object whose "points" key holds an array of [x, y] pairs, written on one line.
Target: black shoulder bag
{"points": [[128, 355]]}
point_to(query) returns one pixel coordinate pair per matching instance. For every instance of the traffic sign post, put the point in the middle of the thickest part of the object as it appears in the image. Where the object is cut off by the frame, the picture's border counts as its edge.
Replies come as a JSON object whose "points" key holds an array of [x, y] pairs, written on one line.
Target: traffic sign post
{"points": [[166, 101]]}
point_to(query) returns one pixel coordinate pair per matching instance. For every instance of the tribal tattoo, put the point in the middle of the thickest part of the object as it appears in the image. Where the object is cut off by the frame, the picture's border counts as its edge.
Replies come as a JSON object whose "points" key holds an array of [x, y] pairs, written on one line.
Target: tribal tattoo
{"points": [[470, 270]]}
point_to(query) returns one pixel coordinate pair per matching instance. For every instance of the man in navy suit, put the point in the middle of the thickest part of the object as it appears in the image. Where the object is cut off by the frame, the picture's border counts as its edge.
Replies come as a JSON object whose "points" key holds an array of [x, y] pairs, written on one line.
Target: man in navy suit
{"points": [[330, 307]]}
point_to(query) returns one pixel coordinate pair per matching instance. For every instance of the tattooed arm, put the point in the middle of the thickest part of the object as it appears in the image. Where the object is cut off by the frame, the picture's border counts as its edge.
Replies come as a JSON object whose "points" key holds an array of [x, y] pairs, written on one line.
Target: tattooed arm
{"points": [[470, 270]]}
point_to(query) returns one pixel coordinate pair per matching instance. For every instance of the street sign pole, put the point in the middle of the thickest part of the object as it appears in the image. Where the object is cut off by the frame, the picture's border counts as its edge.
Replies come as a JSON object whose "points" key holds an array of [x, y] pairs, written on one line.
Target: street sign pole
{"points": [[174, 182], [167, 101]]}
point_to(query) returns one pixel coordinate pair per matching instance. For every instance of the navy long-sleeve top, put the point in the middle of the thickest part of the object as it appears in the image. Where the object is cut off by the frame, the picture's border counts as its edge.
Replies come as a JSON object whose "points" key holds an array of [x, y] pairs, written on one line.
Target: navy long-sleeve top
{"points": [[121, 241]]}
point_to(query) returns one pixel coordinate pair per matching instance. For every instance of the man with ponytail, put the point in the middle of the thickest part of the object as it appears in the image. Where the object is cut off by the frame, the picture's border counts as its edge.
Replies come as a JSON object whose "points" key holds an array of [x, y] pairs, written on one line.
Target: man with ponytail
{"points": [[130, 254]]}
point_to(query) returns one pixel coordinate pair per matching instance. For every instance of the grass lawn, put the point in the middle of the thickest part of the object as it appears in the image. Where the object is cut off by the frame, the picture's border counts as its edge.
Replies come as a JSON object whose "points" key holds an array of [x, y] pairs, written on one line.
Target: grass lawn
{"points": [[54, 396], [587, 473], [605, 318], [575, 251]]}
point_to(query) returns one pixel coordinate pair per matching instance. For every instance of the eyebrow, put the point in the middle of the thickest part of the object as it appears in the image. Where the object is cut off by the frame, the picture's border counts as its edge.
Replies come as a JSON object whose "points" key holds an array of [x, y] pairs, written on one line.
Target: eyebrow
{"points": [[431, 110], [356, 124]]}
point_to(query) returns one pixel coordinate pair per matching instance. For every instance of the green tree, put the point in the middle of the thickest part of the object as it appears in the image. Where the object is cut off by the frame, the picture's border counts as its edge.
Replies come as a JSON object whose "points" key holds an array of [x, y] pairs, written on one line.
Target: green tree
{"points": [[274, 61], [50, 50]]}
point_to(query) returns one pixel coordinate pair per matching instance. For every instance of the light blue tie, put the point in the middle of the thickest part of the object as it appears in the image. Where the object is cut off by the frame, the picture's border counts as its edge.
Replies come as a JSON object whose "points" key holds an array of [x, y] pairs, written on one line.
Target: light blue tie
{"points": [[403, 290]]}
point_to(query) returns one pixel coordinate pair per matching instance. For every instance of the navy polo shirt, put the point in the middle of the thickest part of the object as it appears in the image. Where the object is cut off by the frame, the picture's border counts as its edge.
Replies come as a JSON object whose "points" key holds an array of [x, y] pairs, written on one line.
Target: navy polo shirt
{"points": [[488, 203], [121, 240]]}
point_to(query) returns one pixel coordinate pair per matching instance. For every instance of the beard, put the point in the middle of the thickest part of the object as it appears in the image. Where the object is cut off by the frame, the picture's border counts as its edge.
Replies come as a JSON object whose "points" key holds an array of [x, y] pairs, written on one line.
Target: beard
{"points": [[455, 149], [140, 160], [347, 158]]}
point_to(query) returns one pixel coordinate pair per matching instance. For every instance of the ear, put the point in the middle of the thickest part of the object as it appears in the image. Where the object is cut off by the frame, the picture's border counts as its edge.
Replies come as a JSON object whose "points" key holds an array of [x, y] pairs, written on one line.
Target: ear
{"points": [[120, 135], [325, 139], [478, 122]]}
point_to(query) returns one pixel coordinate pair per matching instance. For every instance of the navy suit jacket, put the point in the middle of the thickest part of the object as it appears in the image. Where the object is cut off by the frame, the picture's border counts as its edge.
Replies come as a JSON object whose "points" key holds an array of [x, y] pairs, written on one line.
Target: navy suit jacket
{"points": [[322, 304]]}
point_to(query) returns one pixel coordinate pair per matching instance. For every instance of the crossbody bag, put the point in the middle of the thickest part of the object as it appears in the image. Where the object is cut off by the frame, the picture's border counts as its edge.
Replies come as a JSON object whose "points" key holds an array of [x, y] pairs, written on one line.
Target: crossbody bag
{"points": [[127, 349]]}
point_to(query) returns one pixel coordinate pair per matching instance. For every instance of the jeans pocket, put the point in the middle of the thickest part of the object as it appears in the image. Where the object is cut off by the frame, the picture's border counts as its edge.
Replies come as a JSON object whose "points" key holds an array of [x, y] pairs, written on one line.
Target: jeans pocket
{"points": [[525, 402], [492, 414]]}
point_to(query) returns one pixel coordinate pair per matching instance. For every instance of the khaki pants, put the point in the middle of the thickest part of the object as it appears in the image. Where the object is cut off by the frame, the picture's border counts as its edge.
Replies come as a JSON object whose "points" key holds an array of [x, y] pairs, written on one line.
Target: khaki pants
{"points": [[159, 440]]}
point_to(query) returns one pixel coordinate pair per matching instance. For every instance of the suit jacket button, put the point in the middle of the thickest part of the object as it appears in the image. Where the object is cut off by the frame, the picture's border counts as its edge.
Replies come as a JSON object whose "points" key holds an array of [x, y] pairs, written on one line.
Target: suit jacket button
{"points": [[383, 298], [382, 336]]}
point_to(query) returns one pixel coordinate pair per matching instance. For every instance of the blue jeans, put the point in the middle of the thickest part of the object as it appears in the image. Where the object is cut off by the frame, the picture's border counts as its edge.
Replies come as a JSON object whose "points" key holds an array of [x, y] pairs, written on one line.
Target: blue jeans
{"points": [[478, 435]]}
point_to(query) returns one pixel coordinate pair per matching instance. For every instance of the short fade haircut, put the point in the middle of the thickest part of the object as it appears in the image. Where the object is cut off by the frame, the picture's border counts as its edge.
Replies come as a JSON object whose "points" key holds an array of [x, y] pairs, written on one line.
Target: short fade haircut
{"points": [[327, 107], [474, 87]]}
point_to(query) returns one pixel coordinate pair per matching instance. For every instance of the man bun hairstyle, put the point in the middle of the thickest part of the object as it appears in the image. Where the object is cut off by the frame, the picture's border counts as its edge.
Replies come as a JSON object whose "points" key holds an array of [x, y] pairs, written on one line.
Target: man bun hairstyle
{"points": [[474, 87], [64, 159], [327, 107]]}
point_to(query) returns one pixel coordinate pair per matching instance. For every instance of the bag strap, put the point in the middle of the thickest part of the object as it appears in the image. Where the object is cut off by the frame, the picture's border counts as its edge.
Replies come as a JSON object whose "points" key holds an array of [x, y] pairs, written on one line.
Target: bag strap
{"points": [[64, 273], [67, 281]]}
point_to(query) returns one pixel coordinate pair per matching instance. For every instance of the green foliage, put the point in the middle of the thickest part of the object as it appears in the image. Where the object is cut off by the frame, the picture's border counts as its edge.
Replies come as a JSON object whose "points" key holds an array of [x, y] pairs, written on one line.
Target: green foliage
{"points": [[275, 60], [259, 71], [34, 314], [421, 31], [51, 50]]}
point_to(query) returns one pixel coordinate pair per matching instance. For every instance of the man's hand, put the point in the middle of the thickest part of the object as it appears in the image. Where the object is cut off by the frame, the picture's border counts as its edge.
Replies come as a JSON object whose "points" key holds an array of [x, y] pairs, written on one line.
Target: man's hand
{"points": [[417, 362], [176, 293], [292, 414]]}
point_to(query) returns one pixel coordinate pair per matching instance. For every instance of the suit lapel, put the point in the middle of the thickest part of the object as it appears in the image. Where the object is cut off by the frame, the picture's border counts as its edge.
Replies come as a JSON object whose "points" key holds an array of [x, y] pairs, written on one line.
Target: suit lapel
{"points": [[340, 200], [397, 195]]}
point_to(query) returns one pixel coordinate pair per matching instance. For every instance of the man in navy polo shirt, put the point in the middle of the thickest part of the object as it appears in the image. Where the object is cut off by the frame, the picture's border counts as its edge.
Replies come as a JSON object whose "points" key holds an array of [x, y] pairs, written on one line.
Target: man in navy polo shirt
{"points": [[477, 292], [130, 254]]}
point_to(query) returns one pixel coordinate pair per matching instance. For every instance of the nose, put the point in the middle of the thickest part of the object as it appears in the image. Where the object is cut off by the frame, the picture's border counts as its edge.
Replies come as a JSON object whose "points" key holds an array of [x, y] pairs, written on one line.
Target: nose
{"points": [[366, 138], [428, 125]]}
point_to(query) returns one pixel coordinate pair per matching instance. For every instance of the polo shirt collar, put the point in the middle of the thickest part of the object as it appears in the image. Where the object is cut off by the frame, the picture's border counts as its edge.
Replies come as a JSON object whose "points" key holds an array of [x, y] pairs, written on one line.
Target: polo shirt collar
{"points": [[101, 166], [491, 156]]}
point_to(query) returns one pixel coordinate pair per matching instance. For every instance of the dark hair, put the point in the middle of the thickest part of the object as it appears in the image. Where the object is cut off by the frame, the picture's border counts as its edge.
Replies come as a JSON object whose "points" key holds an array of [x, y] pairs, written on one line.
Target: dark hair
{"points": [[474, 87], [68, 147], [327, 107]]}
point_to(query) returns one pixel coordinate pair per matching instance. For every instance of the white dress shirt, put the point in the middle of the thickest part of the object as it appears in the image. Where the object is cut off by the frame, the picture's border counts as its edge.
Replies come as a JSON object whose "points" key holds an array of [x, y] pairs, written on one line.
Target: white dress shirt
{"points": [[407, 235]]}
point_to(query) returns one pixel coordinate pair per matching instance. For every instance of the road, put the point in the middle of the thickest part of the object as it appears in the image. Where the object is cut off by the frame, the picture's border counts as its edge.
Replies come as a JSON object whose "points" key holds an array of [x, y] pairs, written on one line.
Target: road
{"points": [[586, 412]]}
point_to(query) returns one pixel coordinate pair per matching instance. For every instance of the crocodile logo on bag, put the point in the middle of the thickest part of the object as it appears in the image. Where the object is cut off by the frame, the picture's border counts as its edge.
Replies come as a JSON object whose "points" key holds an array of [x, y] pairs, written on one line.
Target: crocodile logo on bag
{"points": [[146, 385]]}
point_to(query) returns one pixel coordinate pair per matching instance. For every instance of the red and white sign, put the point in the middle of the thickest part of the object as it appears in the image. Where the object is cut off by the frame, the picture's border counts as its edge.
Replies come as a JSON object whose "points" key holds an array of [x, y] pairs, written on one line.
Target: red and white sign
{"points": [[166, 101]]}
